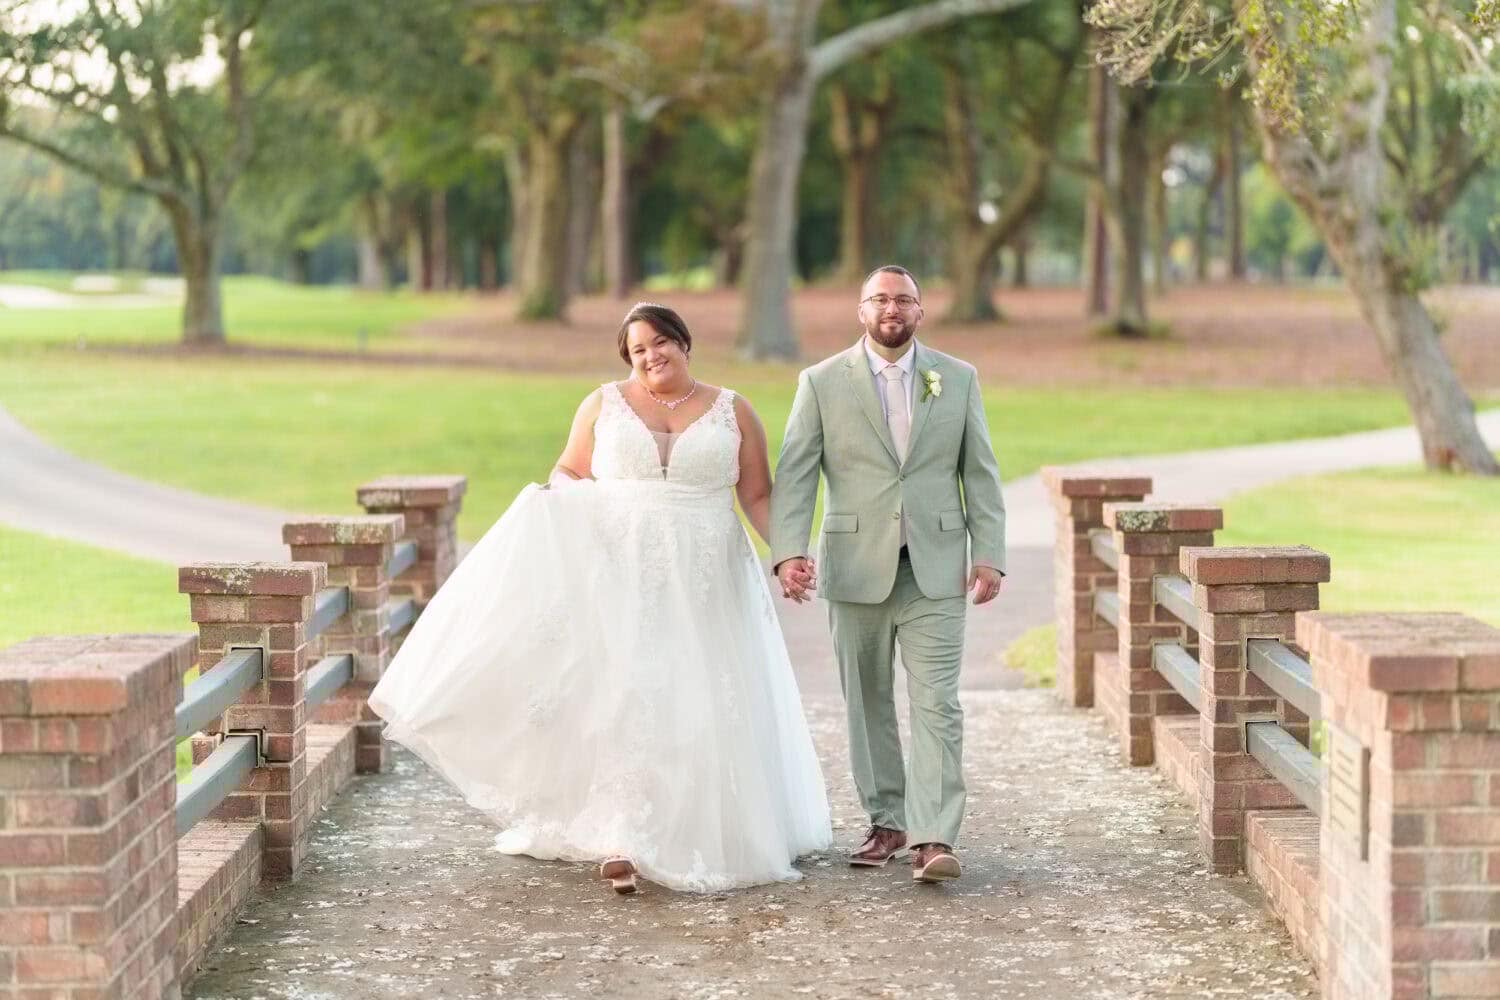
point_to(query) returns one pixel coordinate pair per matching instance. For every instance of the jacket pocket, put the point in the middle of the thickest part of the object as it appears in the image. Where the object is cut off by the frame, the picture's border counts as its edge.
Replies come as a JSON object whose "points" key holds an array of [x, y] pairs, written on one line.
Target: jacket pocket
{"points": [[840, 522], [950, 520]]}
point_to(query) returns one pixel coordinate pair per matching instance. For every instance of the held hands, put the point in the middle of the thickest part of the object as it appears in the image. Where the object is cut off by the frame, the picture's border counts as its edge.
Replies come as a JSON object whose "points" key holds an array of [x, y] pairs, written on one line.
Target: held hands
{"points": [[797, 577], [985, 582]]}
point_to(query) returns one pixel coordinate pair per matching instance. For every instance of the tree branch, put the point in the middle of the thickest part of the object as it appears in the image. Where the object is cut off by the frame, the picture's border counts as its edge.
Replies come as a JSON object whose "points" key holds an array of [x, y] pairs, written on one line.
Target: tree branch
{"points": [[872, 36], [99, 171]]}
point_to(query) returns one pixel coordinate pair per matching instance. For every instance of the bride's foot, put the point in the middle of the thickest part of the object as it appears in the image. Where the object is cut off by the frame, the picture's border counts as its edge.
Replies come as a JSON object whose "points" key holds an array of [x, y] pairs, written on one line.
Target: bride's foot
{"points": [[620, 871]]}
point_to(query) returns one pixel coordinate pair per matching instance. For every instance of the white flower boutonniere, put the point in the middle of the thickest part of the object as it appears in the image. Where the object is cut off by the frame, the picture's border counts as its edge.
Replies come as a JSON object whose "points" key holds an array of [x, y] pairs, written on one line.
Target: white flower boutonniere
{"points": [[932, 384]]}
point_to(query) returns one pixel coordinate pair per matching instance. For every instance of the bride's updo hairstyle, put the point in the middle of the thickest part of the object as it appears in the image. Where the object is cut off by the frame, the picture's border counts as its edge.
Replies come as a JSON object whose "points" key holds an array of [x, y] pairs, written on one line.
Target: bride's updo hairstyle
{"points": [[663, 320]]}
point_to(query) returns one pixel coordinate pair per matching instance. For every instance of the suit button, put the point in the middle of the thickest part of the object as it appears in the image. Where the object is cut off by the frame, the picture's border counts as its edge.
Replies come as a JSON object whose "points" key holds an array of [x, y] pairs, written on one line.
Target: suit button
{"points": [[896, 516]]}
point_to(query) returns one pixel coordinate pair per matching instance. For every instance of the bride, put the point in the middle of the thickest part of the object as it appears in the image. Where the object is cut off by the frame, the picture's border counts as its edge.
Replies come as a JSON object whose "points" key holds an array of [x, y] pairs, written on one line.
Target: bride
{"points": [[604, 674]]}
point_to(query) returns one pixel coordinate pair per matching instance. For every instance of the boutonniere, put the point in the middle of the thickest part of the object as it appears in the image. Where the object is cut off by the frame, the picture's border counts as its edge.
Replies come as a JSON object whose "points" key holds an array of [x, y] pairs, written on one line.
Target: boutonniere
{"points": [[932, 385]]}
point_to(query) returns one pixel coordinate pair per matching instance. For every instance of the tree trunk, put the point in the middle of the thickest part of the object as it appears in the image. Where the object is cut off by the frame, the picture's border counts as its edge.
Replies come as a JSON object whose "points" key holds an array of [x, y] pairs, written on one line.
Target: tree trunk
{"points": [[583, 211], [1202, 249], [418, 249], [857, 130], [1019, 249], [198, 257], [1095, 227], [1130, 231], [299, 262], [728, 260], [489, 266], [619, 269], [369, 265], [1234, 221], [854, 220], [972, 272], [520, 214], [1347, 201], [438, 241], [766, 328], [1159, 234], [544, 268], [1408, 338]]}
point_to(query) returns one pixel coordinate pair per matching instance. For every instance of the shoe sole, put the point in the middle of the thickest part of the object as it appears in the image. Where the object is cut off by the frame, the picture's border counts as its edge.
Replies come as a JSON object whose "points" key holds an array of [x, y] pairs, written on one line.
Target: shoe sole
{"points": [[937, 870], [861, 863]]}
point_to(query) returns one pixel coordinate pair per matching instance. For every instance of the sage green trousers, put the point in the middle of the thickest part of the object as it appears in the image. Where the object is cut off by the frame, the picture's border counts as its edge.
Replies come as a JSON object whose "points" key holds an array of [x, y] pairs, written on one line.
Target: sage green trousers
{"points": [[926, 796]]}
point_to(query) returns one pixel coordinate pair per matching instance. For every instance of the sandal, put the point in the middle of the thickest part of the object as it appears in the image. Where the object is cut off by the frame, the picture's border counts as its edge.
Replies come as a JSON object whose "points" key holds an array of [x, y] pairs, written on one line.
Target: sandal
{"points": [[621, 873]]}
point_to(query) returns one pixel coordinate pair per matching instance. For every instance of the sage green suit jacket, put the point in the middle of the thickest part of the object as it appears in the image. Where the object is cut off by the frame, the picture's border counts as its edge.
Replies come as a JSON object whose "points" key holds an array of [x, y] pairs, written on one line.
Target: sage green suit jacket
{"points": [[949, 485]]}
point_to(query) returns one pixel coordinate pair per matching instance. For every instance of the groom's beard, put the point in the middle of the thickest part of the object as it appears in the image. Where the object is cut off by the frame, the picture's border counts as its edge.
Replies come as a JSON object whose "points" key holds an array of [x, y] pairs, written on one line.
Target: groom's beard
{"points": [[897, 335]]}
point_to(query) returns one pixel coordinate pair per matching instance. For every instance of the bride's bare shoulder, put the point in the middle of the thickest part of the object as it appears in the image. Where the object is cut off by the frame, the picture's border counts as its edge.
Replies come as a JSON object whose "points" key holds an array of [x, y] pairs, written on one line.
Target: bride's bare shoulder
{"points": [[591, 405]]}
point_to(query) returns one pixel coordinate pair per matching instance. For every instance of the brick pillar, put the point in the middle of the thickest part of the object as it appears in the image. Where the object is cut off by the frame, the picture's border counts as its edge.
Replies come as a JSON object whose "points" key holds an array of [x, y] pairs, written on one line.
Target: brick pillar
{"points": [[88, 842], [264, 605], [1410, 836], [1148, 537], [1242, 594], [356, 550], [1078, 499], [430, 505]]}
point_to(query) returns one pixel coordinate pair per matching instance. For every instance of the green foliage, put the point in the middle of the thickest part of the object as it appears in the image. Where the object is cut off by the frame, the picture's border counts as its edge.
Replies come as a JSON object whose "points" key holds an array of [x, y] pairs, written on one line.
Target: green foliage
{"points": [[1276, 231]]}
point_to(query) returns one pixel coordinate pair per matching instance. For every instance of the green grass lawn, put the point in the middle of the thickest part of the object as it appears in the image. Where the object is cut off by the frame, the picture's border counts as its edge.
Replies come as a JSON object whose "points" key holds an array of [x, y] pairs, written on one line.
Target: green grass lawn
{"points": [[1397, 540], [257, 310], [302, 436], [50, 586]]}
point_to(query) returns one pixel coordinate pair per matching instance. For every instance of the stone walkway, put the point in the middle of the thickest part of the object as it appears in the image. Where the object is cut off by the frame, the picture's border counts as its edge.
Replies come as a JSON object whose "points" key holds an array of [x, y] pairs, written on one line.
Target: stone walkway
{"points": [[1082, 880]]}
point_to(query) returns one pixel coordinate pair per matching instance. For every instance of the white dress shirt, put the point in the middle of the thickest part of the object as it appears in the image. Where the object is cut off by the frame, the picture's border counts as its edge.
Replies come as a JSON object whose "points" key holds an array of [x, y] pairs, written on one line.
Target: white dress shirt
{"points": [[907, 363]]}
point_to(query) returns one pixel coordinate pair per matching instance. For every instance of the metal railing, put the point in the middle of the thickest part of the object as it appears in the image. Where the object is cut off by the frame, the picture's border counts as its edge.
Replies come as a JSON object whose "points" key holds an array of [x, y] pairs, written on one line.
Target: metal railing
{"points": [[1102, 545], [1175, 593], [222, 685], [1107, 606], [1181, 669], [1276, 665]]}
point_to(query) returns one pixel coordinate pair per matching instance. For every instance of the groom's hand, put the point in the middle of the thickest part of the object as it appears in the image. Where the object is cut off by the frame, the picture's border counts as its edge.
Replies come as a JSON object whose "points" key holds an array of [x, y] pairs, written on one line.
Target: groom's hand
{"points": [[797, 576], [985, 582]]}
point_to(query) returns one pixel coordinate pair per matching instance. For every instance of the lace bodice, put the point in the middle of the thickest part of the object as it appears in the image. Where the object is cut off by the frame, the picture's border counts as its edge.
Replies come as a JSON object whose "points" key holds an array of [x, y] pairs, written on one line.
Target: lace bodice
{"points": [[706, 455]]}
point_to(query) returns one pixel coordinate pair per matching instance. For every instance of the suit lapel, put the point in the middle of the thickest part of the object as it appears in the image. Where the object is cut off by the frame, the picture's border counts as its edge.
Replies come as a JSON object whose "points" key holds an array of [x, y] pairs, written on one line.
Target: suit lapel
{"points": [[922, 361], [862, 384]]}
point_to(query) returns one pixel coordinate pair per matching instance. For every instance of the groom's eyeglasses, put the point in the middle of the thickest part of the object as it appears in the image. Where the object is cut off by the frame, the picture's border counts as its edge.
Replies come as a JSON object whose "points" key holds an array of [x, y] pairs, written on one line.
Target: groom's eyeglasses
{"points": [[903, 302]]}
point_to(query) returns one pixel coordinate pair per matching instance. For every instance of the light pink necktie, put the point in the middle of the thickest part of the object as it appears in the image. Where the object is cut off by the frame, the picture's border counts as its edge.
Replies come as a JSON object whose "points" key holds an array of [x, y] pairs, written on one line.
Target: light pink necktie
{"points": [[896, 415]]}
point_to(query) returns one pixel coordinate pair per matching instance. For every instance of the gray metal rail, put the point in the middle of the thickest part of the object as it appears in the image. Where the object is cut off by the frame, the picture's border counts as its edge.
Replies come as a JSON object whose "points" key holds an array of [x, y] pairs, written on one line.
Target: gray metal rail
{"points": [[1181, 671], [1107, 606], [327, 676], [217, 688], [403, 558], [1175, 593], [1289, 762], [403, 613], [1102, 544], [331, 604], [213, 780], [1286, 673]]}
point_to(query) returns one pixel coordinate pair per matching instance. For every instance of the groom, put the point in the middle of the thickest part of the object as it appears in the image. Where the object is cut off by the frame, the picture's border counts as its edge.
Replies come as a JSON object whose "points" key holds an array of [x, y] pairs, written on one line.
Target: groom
{"points": [[898, 430]]}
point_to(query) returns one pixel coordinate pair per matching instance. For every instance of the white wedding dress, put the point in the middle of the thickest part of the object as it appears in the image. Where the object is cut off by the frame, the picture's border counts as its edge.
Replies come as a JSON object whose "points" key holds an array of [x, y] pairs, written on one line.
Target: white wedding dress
{"points": [[604, 673]]}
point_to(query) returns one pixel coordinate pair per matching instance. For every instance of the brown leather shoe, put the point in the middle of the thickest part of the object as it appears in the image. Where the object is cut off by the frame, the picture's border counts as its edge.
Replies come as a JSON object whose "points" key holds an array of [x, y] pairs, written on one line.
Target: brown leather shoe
{"points": [[934, 863], [881, 844]]}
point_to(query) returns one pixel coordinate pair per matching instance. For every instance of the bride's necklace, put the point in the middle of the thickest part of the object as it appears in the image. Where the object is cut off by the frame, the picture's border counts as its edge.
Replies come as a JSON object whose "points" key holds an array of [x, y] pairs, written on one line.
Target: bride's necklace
{"points": [[671, 404]]}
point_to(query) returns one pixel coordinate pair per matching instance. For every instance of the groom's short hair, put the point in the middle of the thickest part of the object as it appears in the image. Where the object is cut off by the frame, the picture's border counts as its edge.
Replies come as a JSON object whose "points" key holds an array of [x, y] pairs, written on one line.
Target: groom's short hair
{"points": [[662, 319], [894, 269]]}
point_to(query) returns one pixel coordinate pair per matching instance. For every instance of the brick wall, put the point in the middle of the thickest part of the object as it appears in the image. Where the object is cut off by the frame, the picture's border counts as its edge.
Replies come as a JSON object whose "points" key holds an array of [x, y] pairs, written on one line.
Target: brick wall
{"points": [[1412, 909], [88, 843]]}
